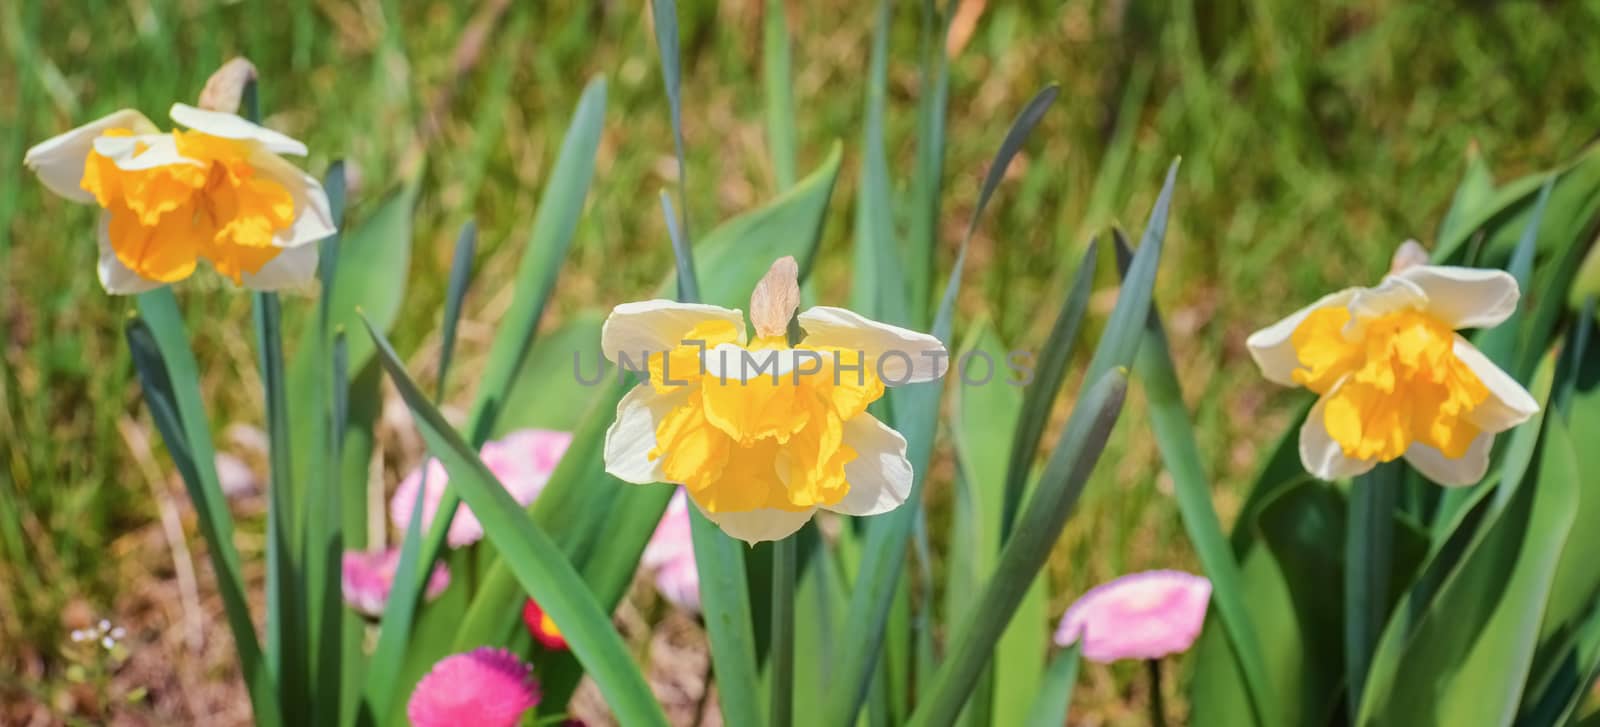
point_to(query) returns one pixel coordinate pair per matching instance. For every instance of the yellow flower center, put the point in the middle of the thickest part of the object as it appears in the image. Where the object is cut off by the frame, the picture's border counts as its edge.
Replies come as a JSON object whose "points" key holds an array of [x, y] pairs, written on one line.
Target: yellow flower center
{"points": [[1401, 382], [165, 218], [547, 626], [766, 440]]}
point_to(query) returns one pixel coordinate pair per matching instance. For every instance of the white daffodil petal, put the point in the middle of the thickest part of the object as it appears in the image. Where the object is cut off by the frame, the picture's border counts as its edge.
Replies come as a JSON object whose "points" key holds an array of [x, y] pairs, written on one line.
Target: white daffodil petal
{"points": [[116, 278], [232, 126], [158, 150], [1465, 297], [59, 160], [1273, 347], [730, 362], [1392, 295], [656, 326], [903, 356], [1321, 456], [1467, 470], [880, 475], [293, 268], [313, 219], [1508, 405], [756, 526], [633, 434]]}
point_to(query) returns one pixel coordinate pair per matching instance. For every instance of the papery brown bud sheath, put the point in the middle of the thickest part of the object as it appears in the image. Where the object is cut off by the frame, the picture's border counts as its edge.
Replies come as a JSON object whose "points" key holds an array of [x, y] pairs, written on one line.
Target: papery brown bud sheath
{"points": [[225, 89], [776, 298]]}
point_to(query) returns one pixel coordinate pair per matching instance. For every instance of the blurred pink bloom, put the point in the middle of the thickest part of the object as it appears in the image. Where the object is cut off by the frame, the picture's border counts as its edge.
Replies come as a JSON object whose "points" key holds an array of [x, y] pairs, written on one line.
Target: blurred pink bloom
{"points": [[485, 687], [522, 461], [671, 554], [1138, 616], [368, 576]]}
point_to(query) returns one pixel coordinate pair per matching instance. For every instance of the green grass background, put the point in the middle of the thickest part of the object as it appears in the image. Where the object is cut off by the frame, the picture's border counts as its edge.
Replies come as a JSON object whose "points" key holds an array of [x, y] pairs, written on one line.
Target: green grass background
{"points": [[1315, 137]]}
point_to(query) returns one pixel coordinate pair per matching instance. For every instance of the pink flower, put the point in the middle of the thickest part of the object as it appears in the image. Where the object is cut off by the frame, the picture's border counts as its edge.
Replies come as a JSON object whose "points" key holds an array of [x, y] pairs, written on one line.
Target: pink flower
{"points": [[486, 687], [368, 576], [1139, 616], [671, 554], [523, 461]]}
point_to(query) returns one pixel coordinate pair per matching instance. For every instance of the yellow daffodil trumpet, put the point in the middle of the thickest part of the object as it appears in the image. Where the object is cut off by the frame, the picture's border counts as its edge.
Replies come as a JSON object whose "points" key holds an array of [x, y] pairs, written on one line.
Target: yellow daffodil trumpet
{"points": [[1394, 378], [764, 432], [218, 191]]}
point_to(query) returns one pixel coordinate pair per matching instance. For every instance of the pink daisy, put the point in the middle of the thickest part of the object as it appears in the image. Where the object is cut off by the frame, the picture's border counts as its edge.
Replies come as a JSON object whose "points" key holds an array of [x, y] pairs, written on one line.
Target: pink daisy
{"points": [[485, 687], [671, 554], [1139, 616], [367, 577], [522, 460]]}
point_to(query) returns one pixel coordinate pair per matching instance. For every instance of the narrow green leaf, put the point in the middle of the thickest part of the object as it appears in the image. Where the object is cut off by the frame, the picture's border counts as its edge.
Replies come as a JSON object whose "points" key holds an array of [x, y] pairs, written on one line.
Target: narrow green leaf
{"points": [[1025, 553], [539, 565], [1475, 191], [779, 93], [288, 642], [455, 296], [1125, 327], [1574, 203], [688, 280], [1500, 343], [928, 178], [166, 369], [878, 288], [1020, 129], [739, 251], [374, 260], [325, 554], [546, 249], [983, 418], [1369, 553], [665, 15], [1055, 696], [1042, 390], [1175, 440]]}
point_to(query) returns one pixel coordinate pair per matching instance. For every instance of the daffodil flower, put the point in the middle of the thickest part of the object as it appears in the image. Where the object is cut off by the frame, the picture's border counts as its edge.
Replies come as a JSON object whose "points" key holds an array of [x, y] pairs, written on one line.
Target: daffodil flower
{"points": [[219, 191], [1394, 377], [762, 433]]}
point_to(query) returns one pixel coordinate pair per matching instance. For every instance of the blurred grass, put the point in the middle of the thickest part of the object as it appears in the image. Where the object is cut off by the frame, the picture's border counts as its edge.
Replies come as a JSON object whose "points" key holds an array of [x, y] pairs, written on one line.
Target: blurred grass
{"points": [[1314, 140]]}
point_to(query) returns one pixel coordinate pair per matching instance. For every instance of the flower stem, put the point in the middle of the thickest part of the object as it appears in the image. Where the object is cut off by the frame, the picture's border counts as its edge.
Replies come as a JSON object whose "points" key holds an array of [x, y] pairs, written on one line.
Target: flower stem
{"points": [[1158, 708], [783, 576], [1369, 542]]}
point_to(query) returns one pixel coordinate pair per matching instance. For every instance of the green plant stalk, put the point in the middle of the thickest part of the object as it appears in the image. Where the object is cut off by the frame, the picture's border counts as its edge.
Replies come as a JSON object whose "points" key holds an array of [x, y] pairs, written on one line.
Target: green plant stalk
{"points": [[287, 644], [1025, 553], [1368, 554], [781, 658], [1158, 709]]}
